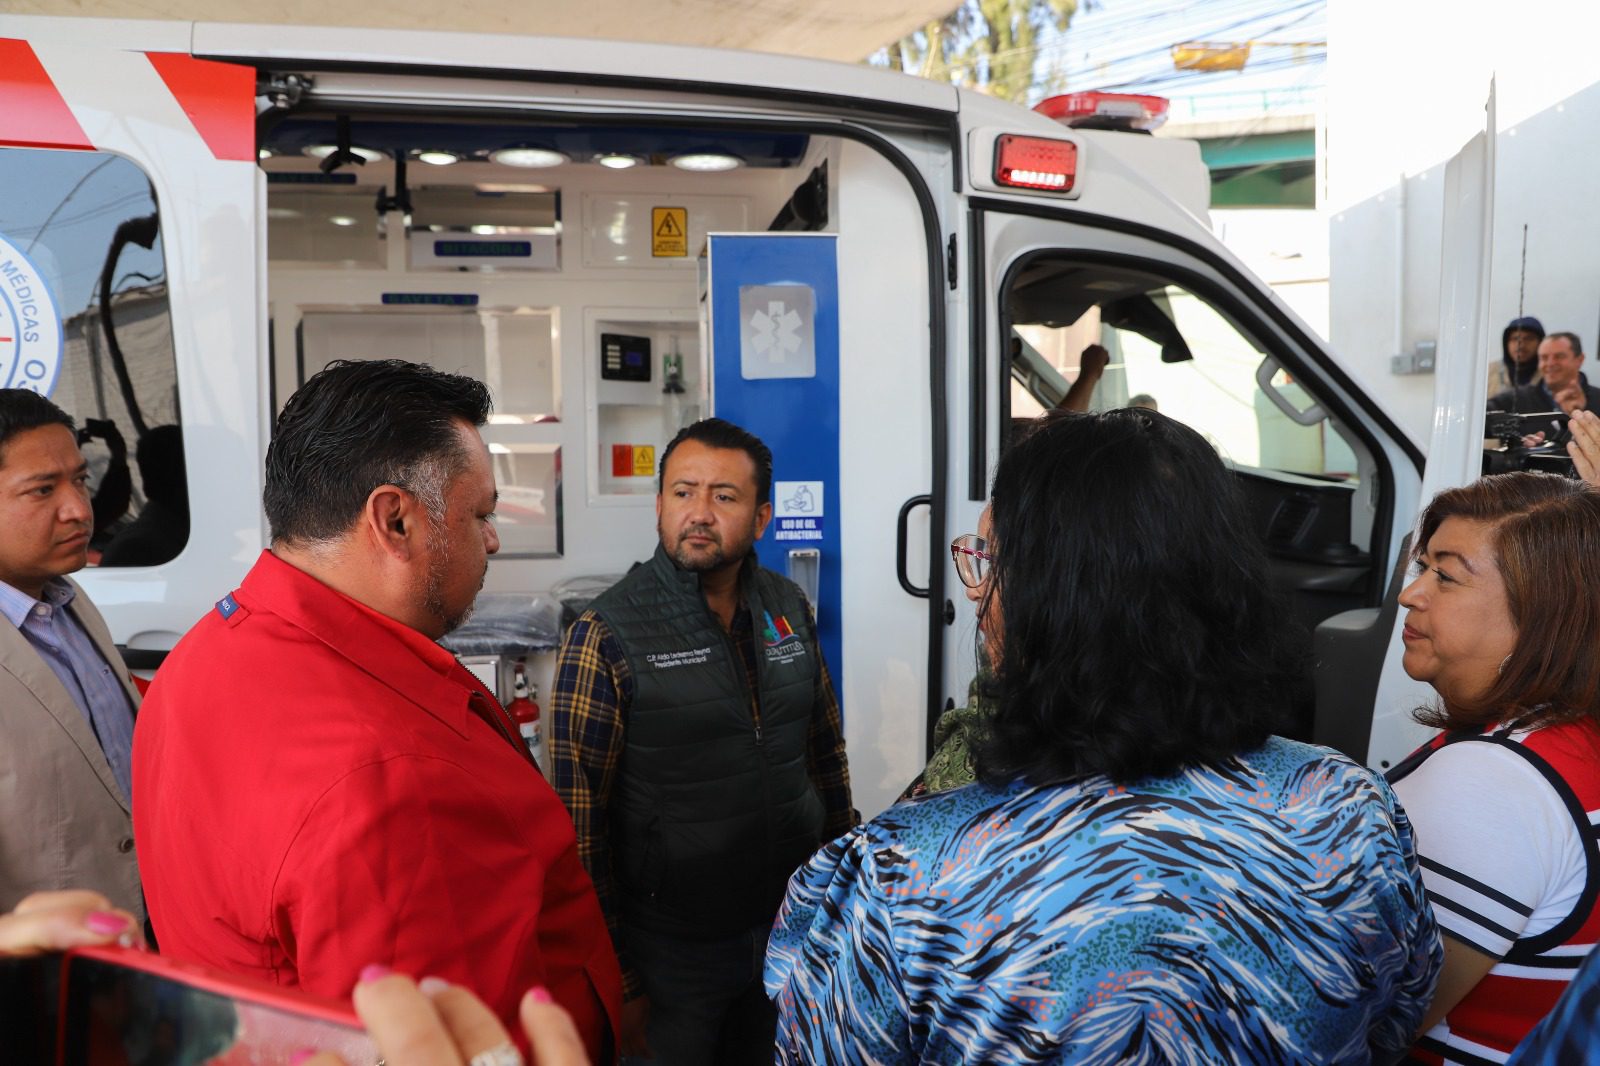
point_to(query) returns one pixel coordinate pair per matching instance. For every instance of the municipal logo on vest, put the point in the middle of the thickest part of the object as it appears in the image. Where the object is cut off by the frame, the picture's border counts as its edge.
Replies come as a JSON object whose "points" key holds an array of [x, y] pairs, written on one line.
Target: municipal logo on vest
{"points": [[783, 643], [30, 328]]}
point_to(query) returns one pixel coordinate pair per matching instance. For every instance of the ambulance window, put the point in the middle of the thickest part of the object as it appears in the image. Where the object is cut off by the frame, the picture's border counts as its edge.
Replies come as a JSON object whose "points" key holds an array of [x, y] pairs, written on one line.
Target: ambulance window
{"points": [[1171, 349], [84, 319]]}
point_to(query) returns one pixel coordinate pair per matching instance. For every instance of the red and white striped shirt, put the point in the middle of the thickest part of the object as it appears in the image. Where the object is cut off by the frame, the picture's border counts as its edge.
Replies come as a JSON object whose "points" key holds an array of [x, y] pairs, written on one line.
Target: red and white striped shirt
{"points": [[1505, 824]]}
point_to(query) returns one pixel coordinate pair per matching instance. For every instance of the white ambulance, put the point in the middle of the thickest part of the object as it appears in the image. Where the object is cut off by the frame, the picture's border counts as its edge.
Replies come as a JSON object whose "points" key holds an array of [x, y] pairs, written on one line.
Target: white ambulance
{"points": [[876, 273]]}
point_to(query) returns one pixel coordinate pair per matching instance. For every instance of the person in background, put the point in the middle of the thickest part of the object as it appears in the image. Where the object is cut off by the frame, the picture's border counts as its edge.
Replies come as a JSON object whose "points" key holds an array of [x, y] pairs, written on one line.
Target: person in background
{"points": [[1505, 797], [67, 703], [1519, 360], [322, 786], [1145, 400], [162, 528], [696, 740], [1092, 365], [1143, 872], [1561, 386]]}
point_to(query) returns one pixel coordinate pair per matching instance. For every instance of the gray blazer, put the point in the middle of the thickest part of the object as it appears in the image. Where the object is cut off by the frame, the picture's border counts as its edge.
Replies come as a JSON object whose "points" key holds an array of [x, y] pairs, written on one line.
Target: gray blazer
{"points": [[63, 821]]}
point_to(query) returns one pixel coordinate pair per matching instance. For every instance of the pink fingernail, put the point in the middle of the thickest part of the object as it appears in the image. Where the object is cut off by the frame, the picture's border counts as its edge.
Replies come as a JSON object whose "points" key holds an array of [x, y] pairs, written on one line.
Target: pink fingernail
{"points": [[300, 1056], [373, 972], [104, 922], [540, 994]]}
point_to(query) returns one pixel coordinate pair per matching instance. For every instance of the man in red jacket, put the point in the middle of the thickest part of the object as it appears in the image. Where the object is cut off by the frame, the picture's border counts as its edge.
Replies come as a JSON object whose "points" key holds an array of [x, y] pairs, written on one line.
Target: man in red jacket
{"points": [[321, 787]]}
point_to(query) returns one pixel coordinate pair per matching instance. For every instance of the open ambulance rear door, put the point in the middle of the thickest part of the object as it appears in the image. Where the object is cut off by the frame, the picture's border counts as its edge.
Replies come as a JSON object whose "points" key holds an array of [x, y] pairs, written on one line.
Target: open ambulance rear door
{"points": [[131, 293]]}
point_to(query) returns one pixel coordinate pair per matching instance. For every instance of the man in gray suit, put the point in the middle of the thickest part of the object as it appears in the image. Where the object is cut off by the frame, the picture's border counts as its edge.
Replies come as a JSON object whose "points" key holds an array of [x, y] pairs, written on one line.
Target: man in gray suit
{"points": [[66, 701]]}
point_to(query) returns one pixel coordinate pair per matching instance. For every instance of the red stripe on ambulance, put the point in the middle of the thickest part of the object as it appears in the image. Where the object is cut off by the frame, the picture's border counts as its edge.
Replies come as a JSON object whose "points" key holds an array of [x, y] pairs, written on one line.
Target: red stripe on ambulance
{"points": [[219, 98], [32, 112]]}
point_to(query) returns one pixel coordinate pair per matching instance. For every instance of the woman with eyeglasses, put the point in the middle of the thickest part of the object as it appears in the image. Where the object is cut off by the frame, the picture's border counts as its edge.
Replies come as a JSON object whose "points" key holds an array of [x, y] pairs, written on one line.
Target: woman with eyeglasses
{"points": [[1142, 872]]}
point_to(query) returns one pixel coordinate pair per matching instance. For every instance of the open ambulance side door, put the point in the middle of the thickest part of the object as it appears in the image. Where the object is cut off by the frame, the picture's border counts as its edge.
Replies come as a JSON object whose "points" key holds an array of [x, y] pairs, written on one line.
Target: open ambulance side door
{"points": [[131, 220], [1330, 479]]}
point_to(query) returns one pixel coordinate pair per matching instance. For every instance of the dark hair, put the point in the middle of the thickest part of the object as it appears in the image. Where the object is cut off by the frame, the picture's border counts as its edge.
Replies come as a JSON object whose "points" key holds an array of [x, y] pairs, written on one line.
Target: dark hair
{"points": [[1139, 633], [1546, 542], [720, 433], [22, 410], [1570, 338], [359, 424]]}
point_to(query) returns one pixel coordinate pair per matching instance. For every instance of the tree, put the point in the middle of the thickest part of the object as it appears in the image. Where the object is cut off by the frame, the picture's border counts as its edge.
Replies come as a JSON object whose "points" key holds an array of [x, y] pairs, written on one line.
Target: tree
{"points": [[990, 45]]}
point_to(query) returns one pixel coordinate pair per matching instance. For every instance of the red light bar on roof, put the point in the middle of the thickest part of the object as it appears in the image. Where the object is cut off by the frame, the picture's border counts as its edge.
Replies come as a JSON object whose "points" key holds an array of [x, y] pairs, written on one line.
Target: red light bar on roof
{"points": [[1035, 163], [1126, 111]]}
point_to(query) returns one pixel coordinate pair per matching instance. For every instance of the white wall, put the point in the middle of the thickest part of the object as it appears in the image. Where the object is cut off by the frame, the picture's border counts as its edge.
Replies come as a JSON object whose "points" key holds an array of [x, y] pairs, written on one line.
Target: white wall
{"points": [[1407, 84]]}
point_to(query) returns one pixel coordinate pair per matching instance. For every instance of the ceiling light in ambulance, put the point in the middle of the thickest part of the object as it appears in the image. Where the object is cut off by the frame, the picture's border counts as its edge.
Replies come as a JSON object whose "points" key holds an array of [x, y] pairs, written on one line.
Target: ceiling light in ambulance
{"points": [[501, 188], [1106, 111], [528, 157], [438, 157], [323, 151], [618, 160], [706, 162], [265, 153], [1035, 163]]}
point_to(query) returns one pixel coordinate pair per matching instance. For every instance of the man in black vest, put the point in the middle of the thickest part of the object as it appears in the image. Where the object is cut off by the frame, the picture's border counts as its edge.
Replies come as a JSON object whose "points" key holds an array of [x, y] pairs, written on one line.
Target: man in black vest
{"points": [[696, 741]]}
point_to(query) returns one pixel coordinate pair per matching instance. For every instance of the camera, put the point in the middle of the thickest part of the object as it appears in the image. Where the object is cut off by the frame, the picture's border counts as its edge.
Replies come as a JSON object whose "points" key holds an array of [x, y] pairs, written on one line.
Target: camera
{"points": [[1511, 429]]}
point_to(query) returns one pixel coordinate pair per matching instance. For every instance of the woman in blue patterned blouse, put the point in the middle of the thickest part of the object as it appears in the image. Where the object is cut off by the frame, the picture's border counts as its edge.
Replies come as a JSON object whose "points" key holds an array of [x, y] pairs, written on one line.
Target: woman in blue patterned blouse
{"points": [[1143, 872]]}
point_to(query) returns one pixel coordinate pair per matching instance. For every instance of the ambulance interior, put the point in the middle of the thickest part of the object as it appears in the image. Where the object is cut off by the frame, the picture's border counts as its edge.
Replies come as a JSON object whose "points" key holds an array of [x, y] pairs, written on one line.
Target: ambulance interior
{"points": [[1307, 479], [558, 264]]}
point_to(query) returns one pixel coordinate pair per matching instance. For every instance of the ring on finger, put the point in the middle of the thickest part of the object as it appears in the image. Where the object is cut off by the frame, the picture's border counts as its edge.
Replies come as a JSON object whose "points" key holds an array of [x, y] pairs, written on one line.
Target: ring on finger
{"points": [[502, 1054]]}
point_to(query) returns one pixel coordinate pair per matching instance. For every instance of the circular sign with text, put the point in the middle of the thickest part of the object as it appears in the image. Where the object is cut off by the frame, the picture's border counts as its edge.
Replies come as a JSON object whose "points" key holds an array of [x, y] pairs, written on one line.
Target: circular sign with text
{"points": [[30, 327]]}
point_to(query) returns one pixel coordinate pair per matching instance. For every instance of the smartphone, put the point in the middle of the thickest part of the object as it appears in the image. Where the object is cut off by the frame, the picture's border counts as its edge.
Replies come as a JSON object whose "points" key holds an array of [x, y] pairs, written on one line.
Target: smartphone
{"points": [[120, 1007]]}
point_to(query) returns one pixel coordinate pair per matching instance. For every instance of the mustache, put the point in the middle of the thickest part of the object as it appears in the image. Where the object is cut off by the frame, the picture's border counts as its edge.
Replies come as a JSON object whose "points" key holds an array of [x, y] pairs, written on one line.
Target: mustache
{"points": [[699, 531]]}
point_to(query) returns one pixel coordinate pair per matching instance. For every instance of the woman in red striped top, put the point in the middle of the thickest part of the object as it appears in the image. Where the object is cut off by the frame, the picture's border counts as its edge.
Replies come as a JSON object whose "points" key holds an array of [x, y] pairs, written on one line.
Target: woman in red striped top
{"points": [[1503, 621]]}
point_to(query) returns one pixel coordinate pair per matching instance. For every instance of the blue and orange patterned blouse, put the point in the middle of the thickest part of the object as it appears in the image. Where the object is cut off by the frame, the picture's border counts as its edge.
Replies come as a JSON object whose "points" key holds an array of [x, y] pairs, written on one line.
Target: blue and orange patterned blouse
{"points": [[1268, 911]]}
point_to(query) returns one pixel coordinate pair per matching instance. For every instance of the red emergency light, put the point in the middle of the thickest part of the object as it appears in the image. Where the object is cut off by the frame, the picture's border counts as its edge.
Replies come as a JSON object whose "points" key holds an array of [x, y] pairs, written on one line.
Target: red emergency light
{"points": [[1113, 111], [1035, 163]]}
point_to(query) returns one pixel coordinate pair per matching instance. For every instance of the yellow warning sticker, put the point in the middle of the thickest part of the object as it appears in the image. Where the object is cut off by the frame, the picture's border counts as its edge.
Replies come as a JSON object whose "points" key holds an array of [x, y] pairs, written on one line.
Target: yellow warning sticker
{"points": [[644, 460], [669, 232]]}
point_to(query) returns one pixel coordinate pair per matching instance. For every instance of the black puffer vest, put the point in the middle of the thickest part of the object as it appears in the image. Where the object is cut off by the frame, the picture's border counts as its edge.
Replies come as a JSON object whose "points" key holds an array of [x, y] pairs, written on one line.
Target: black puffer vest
{"points": [[711, 811]]}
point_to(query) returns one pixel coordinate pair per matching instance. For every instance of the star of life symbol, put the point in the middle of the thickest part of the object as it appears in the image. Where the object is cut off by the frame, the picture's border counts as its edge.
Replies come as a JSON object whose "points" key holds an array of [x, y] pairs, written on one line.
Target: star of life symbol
{"points": [[777, 331]]}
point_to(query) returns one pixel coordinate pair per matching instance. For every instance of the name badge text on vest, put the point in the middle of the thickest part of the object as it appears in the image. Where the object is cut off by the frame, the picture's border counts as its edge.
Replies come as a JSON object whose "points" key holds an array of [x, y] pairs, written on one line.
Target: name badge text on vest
{"points": [[666, 660]]}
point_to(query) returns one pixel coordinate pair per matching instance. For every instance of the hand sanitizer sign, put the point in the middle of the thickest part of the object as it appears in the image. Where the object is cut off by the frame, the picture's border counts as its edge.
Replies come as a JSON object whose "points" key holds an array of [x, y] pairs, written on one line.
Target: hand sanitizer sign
{"points": [[797, 510]]}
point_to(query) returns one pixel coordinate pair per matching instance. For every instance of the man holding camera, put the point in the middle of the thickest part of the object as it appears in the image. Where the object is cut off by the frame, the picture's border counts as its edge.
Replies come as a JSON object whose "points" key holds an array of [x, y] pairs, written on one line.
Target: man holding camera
{"points": [[67, 735], [1561, 385]]}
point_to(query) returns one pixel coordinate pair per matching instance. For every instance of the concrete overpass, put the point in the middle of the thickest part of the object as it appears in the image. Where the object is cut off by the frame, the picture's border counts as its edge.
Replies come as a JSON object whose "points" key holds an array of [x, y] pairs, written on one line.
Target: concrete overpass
{"points": [[1261, 147]]}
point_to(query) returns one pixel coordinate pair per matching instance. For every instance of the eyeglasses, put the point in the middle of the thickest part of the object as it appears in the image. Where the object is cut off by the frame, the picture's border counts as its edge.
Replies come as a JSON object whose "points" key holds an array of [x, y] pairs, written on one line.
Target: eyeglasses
{"points": [[972, 559]]}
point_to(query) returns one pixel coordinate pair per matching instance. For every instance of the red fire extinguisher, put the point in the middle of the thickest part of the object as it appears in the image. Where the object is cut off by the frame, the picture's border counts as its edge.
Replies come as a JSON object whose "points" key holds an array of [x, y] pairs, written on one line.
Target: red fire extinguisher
{"points": [[524, 709]]}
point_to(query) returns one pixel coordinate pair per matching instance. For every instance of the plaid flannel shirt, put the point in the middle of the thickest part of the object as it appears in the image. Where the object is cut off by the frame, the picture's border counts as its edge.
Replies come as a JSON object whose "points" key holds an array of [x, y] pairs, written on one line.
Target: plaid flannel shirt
{"points": [[588, 712]]}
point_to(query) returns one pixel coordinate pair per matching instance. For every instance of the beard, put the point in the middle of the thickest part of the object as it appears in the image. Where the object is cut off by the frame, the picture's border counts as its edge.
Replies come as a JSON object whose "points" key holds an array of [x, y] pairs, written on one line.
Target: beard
{"points": [[705, 560], [433, 592]]}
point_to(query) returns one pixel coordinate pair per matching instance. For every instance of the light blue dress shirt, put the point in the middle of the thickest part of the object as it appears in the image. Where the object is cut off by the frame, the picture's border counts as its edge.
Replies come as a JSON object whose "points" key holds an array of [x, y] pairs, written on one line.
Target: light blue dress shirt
{"points": [[94, 685]]}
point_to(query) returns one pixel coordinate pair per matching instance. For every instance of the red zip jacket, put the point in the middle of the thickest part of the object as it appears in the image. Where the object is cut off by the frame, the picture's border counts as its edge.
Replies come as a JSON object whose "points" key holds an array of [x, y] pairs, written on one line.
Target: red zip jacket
{"points": [[313, 793]]}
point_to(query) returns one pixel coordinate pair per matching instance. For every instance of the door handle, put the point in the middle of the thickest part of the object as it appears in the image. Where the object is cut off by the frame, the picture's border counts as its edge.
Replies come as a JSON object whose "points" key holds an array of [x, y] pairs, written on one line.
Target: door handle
{"points": [[900, 544]]}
